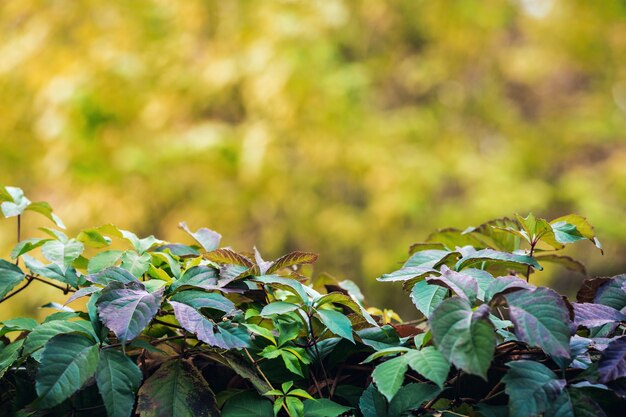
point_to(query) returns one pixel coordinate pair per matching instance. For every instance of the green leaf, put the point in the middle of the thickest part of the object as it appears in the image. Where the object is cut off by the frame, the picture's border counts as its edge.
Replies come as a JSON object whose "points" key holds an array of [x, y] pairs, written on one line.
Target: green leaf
{"points": [[14, 202], [247, 404], [531, 387], [118, 379], [572, 228], [18, 324], [493, 256], [176, 389], [372, 403], [46, 331], [324, 408], [541, 319], [407, 274], [93, 237], [411, 397], [200, 276], [561, 407], [427, 297], [611, 292], [140, 245], [104, 260], [286, 284], [26, 246], [278, 307], [336, 323], [465, 337], [44, 208], [110, 275], [430, 258], [52, 271], [389, 376], [483, 278], [62, 253], [134, 263], [127, 309], [10, 276], [67, 362], [207, 238], [536, 229], [429, 363], [9, 354], [201, 299]]}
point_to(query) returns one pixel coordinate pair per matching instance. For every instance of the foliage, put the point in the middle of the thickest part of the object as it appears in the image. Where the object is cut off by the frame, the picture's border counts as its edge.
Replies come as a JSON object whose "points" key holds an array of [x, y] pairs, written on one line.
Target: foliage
{"points": [[202, 330], [341, 127]]}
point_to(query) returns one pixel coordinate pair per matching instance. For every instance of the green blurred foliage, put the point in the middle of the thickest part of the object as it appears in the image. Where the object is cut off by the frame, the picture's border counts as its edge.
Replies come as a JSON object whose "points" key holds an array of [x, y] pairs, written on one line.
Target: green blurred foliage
{"points": [[350, 128]]}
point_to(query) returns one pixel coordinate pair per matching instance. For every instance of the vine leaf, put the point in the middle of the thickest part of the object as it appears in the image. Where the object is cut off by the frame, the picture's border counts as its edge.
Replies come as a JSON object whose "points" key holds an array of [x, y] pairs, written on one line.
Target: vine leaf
{"points": [[532, 388], [494, 256], [127, 309], [207, 238], [593, 315], [247, 404], [176, 389], [427, 297], [337, 323], [118, 379], [10, 276], [372, 403], [541, 319], [411, 397], [389, 376], [67, 362], [429, 363], [465, 337], [612, 364]]}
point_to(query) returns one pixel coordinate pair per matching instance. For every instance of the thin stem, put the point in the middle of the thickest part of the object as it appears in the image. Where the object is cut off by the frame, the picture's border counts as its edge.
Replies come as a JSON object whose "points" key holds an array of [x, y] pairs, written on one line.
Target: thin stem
{"points": [[317, 353], [153, 342], [22, 288], [19, 233], [65, 289], [164, 323], [532, 248], [256, 365]]}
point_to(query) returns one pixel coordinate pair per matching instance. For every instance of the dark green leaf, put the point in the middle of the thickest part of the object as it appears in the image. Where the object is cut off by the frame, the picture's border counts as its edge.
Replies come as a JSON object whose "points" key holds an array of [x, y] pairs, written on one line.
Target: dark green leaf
{"points": [[324, 408], [430, 258], [411, 397], [247, 404], [46, 331], [561, 407], [10, 276], [9, 354], [541, 319], [493, 256], [118, 379], [176, 389], [201, 299], [465, 337], [429, 363], [531, 387], [611, 293], [67, 362], [372, 403], [127, 309]]}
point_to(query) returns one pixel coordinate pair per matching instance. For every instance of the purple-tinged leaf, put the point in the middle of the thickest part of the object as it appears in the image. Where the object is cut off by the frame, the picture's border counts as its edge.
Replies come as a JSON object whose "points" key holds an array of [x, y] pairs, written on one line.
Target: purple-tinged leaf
{"points": [[82, 293], [177, 389], [207, 238], [612, 364], [228, 256], [427, 297], [207, 331], [593, 315], [589, 289], [611, 293], [112, 274], [541, 319], [461, 284], [261, 264], [291, 259], [127, 309], [483, 278], [505, 285], [201, 276]]}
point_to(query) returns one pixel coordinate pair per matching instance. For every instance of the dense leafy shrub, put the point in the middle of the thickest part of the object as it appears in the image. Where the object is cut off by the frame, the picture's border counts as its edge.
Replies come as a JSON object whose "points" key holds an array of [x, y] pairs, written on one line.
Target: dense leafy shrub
{"points": [[171, 329]]}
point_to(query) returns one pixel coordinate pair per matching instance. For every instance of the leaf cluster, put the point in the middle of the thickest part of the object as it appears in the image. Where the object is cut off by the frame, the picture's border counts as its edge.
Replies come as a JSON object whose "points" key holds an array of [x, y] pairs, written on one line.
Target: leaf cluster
{"points": [[198, 329]]}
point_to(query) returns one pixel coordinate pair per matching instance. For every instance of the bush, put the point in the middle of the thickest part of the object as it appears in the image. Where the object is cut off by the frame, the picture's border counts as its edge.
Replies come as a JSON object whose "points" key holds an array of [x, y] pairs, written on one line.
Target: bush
{"points": [[171, 329]]}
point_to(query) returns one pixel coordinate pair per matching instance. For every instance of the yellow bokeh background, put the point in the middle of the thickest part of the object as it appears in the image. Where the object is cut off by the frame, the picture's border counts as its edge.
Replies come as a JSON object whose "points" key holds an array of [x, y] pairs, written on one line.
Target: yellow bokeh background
{"points": [[348, 128]]}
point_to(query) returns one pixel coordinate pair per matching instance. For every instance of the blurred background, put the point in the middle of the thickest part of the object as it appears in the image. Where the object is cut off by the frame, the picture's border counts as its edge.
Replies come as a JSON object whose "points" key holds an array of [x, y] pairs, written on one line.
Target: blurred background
{"points": [[348, 128]]}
